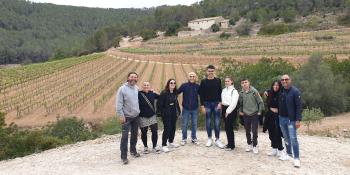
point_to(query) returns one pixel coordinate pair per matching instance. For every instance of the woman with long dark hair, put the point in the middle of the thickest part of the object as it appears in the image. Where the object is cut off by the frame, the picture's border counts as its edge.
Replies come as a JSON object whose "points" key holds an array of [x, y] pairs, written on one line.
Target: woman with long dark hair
{"points": [[169, 109], [271, 122]]}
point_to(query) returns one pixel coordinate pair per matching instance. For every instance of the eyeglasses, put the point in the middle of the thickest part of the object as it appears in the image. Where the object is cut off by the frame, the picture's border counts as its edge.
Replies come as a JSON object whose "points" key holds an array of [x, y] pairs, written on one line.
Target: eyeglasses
{"points": [[286, 79], [210, 71], [192, 76], [172, 82]]}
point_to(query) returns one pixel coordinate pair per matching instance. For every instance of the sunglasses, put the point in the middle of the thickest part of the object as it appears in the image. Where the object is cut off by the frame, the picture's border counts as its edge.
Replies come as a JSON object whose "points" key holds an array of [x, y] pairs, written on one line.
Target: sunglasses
{"points": [[285, 79], [172, 82]]}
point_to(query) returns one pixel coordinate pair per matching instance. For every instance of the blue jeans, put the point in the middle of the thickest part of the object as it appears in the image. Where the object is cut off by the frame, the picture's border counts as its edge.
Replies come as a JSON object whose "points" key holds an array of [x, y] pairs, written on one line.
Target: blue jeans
{"points": [[186, 115], [211, 109], [290, 136]]}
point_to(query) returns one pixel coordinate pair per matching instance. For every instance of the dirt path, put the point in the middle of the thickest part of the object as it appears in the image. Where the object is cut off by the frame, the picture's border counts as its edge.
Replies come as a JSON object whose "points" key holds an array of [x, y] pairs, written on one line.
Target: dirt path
{"points": [[319, 155]]}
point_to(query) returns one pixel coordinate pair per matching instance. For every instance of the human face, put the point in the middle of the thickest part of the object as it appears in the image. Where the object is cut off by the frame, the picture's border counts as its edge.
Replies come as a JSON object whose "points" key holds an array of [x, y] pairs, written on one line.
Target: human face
{"points": [[132, 79], [146, 87], [245, 85], [210, 73], [172, 85], [228, 82], [286, 81], [192, 77], [276, 87]]}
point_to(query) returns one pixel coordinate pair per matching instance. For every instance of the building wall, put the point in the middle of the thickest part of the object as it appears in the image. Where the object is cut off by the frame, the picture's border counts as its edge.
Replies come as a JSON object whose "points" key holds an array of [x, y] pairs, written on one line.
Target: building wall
{"points": [[202, 25]]}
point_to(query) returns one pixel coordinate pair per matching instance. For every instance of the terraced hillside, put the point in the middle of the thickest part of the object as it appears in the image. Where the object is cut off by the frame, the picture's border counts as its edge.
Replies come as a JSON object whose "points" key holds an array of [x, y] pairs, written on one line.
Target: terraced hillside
{"points": [[294, 47]]}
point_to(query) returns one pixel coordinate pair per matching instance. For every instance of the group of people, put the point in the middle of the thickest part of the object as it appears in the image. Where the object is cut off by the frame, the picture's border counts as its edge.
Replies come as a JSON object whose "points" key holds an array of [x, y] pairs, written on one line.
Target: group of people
{"points": [[140, 109]]}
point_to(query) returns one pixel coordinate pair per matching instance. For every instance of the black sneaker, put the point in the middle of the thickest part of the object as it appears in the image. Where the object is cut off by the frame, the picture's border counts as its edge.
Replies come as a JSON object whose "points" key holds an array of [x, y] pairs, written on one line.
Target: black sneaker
{"points": [[135, 154], [125, 161], [228, 148]]}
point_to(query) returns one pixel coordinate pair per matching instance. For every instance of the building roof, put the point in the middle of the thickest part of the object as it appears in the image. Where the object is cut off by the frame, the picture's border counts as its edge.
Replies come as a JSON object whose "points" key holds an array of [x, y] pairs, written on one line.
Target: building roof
{"points": [[206, 19]]}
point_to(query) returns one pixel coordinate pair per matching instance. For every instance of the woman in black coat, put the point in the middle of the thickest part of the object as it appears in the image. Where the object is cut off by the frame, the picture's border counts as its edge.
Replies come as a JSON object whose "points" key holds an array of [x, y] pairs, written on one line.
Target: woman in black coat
{"points": [[271, 122], [169, 109]]}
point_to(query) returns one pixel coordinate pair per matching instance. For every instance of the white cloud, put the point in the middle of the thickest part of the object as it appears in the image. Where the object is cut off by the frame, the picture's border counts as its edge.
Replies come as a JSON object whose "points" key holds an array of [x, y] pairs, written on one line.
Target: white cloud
{"points": [[118, 3]]}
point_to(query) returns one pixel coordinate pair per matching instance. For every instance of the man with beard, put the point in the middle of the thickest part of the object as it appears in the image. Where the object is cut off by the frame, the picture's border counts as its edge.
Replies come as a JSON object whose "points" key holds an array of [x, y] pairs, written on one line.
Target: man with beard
{"points": [[127, 107]]}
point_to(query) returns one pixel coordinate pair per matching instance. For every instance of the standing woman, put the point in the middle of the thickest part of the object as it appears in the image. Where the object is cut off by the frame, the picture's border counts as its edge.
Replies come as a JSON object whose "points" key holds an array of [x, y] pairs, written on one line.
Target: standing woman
{"points": [[169, 109], [229, 98], [147, 116], [271, 122]]}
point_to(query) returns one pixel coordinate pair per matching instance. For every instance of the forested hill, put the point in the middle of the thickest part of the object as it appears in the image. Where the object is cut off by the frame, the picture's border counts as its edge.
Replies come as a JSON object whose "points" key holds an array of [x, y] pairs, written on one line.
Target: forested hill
{"points": [[35, 32], [32, 32]]}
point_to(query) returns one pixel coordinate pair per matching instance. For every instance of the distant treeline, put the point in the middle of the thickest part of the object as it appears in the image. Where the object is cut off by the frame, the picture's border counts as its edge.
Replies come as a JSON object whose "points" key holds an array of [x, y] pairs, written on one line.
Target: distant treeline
{"points": [[34, 32]]}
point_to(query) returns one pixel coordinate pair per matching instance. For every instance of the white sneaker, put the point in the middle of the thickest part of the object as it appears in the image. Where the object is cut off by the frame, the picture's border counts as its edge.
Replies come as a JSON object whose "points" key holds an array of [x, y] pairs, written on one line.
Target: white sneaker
{"points": [[219, 144], [173, 145], [156, 150], [183, 142], [145, 150], [296, 163], [249, 148], [209, 143], [279, 153], [284, 156], [273, 152], [255, 150], [165, 149]]}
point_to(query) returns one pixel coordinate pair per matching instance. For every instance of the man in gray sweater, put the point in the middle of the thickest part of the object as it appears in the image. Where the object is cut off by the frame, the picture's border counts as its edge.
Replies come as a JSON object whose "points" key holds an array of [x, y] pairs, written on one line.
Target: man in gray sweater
{"points": [[127, 107]]}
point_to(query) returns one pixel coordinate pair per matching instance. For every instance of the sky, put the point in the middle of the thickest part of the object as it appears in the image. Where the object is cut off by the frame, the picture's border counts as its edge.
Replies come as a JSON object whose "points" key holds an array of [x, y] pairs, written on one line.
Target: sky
{"points": [[118, 3]]}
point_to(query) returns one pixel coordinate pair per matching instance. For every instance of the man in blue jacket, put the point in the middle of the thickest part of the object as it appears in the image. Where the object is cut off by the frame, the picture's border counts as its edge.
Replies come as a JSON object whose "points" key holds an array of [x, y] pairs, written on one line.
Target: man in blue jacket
{"points": [[289, 118], [190, 107]]}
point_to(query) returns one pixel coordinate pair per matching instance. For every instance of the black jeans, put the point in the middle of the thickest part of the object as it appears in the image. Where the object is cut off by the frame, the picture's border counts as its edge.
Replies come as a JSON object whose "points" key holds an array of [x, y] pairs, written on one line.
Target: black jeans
{"points": [[154, 130], [251, 124], [275, 133], [169, 123], [132, 125], [229, 123]]}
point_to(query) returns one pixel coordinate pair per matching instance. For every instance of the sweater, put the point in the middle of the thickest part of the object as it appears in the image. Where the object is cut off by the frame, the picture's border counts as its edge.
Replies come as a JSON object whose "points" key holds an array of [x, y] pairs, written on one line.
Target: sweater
{"points": [[127, 101], [190, 95], [251, 102], [210, 90]]}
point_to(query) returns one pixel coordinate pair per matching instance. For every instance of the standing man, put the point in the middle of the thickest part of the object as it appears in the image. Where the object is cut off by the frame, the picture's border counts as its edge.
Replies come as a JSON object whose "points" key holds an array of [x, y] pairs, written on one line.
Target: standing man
{"points": [[251, 107], [210, 97], [127, 106], [289, 118], [190, 106]]}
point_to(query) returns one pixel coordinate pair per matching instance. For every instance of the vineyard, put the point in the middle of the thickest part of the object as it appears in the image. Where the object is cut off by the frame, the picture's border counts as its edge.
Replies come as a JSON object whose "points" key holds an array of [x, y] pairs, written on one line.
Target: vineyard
{"points": [[85, 87], [36, 94], [294, 47]]}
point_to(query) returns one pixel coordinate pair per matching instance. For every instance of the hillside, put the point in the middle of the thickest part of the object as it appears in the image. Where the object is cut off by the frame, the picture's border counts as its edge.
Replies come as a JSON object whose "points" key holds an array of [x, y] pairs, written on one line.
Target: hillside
{"points": [[33, 32], [293, 47], [319, 155]]}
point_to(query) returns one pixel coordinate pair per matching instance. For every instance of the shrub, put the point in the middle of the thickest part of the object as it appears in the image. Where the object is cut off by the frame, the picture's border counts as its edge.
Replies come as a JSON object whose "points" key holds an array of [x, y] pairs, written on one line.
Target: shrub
{"points": [[232, 22], [313, 115], [244, 29], [70, 129], [260, 74], [289, 15], [215, 28], [172, 28], [275, 29], [148, 34], [320, 88], [324, 37], [344, 20], [225, 35], [111, 126]]}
